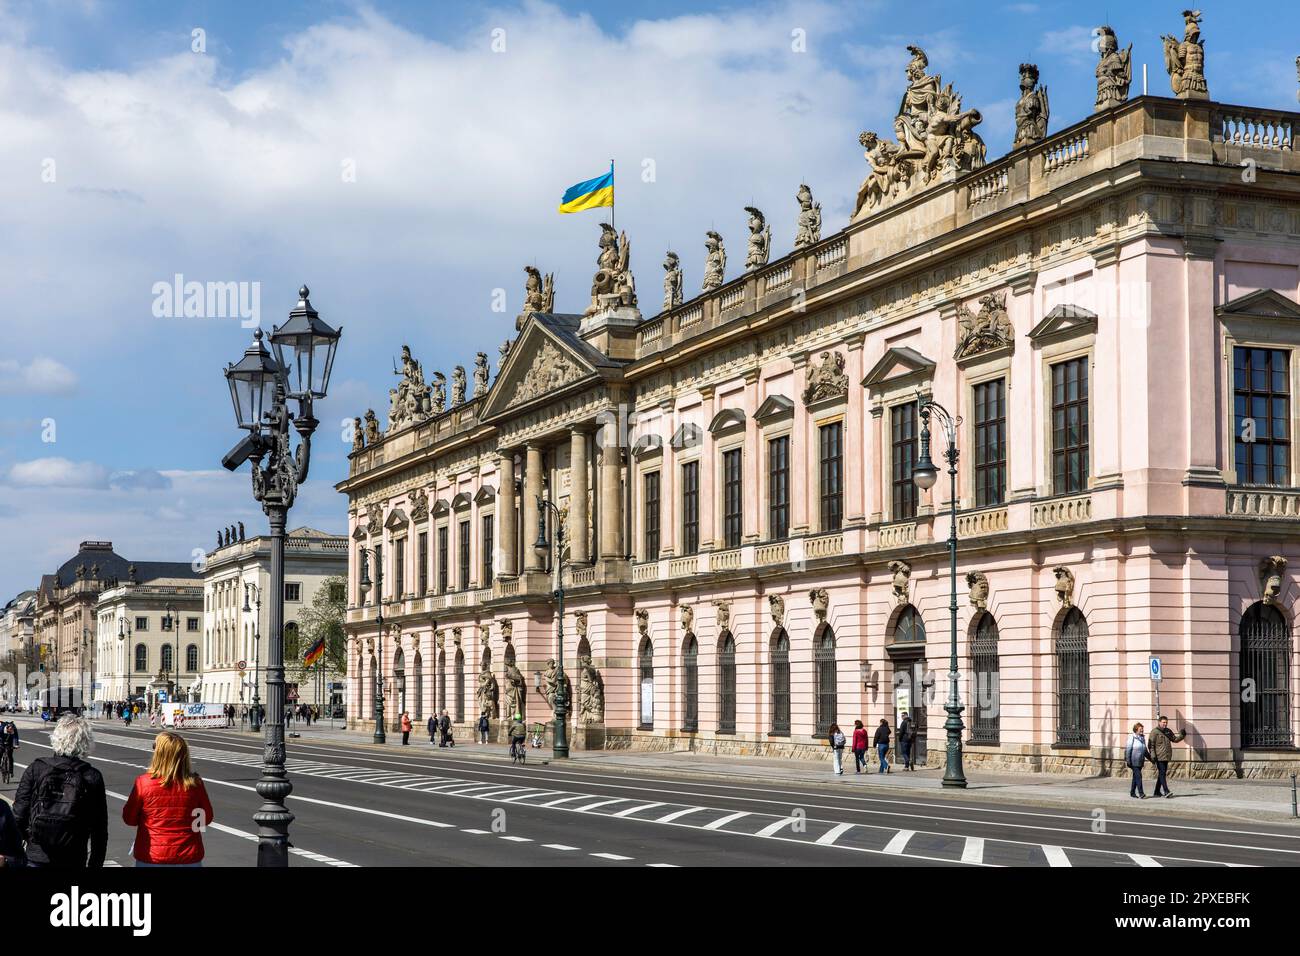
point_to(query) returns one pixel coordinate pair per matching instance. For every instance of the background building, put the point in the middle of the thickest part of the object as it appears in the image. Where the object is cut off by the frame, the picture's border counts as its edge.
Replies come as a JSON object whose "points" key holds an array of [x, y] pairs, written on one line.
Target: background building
{"points": [[148, 638], [17, 646]]}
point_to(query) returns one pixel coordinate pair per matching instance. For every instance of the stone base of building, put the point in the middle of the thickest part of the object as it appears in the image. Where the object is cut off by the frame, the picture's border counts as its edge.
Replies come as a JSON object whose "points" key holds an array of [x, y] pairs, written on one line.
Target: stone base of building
{"points": [[1107, 762], [722, 745]]}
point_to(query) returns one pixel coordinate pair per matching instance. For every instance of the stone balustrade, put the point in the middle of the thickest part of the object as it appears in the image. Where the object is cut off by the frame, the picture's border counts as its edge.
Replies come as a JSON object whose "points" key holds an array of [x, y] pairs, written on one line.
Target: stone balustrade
{"points": [[692, 316], [732, 298], [648, 571], [988, 186], [779, 277], [1063, 151], [1260, 128], [833, 252], [681, 567], [972, 524], [773, 552], [728, 560], [581, 577], [1061, 511], [824, 545], [1263, 503], [897, 535], [651, 334]]}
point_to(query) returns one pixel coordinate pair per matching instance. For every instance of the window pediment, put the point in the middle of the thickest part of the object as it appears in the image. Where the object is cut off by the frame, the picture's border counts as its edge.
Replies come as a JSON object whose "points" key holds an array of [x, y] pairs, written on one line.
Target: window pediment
{"points": [[440, 507], [396, 520], [647, 446], [1063, 322], [688, 436], [485, 495], [727, 420], [774, 408], [897, 367], [1261, 304], [462, 500]]}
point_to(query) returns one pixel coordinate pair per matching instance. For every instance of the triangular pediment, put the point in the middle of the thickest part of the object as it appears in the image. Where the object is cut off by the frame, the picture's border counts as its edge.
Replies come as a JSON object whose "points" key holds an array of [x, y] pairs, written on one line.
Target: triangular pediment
{"points": [[1262, 304], [899, 362], [359, 533], [647, 445], [1064, 321], [462, 500], [544, 360], [485, 495], [774, 407], [396, 519], [440, 507]]}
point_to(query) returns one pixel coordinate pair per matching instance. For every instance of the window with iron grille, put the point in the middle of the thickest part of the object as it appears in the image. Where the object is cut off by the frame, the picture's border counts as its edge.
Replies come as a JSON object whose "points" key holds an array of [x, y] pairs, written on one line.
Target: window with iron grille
{"points": [[827, 696], [727, 685], [1261, 397], [399, 568], [422, 576], [443, 557], [1070, 426], [691, 685], [984, 665], [990, 443], [462, 547], [691, 507], [831, 445], [647, 674], [485, 549], [1265, 664], [781, 684], [733, 498], [651, 551], [903, 454], [778, 488], [1072, 684]]}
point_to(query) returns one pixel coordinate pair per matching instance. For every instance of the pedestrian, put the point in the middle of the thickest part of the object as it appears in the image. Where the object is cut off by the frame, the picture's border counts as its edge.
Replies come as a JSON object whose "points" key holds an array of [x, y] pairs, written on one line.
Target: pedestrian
{"points": [[126, 716], [881, 740], [836, 737], [859, 746], [483, 727], [433, 728], [11, 840], [61, 807], [169, 807], [906, 738], [1162, 751], [406, 728], [445, 725], [1135, 754]]}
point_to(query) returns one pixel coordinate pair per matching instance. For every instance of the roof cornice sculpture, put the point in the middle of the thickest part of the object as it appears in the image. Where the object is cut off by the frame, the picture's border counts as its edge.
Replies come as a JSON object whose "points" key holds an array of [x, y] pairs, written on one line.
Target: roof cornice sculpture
{"points": [[715, 261], [1185, 61], [810, 219], [1114, 69], [760, 239], [613, 285], [458, 386], [539, 295], [1032, 108], [936, 140], [411, 401], [481, 374], [372, 427], [672, 281]]}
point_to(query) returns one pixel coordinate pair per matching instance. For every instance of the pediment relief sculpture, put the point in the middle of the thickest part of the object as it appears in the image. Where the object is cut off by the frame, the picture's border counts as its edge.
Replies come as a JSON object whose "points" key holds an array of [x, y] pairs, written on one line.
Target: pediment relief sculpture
{"points": [[419, 504], [375, 521], [550, 369], [990, 328], [828, 380]]}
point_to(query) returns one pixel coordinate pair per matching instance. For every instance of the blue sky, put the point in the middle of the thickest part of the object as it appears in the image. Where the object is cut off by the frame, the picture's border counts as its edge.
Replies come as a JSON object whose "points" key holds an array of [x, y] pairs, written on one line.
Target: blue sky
{"points": [[127, 158]]}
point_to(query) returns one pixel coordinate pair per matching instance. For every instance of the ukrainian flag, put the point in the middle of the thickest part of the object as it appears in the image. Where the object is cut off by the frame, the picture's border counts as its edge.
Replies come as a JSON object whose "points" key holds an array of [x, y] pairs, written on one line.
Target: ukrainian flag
{"points": [[314, 653], [590, 194]]}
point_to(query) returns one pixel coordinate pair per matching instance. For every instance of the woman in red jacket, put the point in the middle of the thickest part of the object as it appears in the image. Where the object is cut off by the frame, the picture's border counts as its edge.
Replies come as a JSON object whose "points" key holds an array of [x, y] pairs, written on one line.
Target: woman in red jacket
{"points": [[168, 807], [859, 746]]}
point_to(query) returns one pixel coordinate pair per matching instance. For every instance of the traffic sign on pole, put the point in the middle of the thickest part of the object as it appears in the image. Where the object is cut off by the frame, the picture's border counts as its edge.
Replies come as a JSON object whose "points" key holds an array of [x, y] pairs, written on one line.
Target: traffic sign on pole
{"points": [[1156, 673]]}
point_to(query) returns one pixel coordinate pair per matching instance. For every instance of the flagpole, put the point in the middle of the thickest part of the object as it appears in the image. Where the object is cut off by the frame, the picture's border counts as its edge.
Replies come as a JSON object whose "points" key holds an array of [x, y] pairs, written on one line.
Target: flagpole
{"points": [[613, 221]]}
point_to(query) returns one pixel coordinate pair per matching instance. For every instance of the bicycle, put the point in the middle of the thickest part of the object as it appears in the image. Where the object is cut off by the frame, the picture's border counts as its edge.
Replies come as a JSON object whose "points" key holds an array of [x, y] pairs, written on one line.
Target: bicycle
{"points": [[518, 752]]}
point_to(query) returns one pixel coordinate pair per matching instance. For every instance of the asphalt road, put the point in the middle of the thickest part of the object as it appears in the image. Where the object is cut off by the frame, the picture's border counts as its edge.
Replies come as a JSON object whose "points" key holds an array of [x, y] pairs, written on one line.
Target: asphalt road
{"points": [[420, 806]]}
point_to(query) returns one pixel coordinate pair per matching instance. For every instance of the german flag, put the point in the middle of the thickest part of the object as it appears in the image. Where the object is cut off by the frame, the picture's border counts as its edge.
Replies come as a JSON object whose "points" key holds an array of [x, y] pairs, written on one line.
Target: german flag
{"points": [[314, 653]]}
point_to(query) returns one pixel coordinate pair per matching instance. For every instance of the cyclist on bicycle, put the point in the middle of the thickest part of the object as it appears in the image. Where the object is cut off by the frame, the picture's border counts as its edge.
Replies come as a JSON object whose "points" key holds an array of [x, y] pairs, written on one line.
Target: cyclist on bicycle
{"points": [[517, 734]]}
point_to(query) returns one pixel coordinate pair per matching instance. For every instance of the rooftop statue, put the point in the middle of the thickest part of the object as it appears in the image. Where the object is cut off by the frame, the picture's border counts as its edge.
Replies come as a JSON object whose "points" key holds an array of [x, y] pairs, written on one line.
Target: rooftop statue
{"points": [[458, 386], [613, 285], [1114, 69], [1185, 61], [372, 427], [539, 295], [760, 239], [715, 261], [672, 281], [480, 374], [410, 401], [936, 138], [439, 392], [358, 435], [1031, 109], [503, 350], [810, 219]]}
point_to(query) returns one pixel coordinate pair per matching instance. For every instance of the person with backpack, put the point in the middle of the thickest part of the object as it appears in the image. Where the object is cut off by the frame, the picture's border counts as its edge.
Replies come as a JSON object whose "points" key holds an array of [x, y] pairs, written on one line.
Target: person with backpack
{"points": [[859, 746], [1135, 755], [906, 738], [169, 807], [483, 727], [881, 740], [837, 741], [61, 807]]}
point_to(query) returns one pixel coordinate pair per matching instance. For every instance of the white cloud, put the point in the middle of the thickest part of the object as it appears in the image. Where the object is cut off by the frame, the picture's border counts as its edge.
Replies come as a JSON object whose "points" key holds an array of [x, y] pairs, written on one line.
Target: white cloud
{"points": [[40, 376], [56, 472], [1075, 44]]}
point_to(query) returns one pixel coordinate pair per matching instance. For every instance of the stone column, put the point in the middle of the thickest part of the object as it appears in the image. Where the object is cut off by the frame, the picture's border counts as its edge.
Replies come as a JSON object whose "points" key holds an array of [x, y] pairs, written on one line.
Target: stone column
{"points": [[578, 529], [506, 533], [532, 491], [611, 491]]}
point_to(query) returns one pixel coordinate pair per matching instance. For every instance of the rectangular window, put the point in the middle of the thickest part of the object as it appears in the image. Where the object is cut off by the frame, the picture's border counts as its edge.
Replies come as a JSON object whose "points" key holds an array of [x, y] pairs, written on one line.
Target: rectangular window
{"points": [[486, 546], [733, 498], [191, 624], [1261, 397], [293, 591], [337, 593], [399, 568], [462, 542], [443, 557], [651, 550], [903, 446], [691, 507], [379, 576], [422, 550], [142, 624], [778, 488], [1070, 426], [990, 443], [831, 475]]}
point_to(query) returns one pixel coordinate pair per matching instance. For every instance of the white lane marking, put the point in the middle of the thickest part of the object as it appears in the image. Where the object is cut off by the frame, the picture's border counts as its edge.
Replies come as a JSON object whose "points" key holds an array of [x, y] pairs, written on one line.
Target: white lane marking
{"points": [[532, 793], [1141, 860], [466, 830], [673, 865], [899, 843], [556, 803], [1056, 856], [598, 803], [723, 821], [773, 828], [610, 856], [516, 839], [973, 851], [834, 833], [670, 817], [558, 846], [630, 810]]}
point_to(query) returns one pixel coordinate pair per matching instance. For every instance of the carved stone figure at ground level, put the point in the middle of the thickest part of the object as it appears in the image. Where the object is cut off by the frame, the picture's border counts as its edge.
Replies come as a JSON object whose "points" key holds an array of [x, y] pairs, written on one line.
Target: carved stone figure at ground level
{"points": [[487, 693], [591, 692], [516, 691]]}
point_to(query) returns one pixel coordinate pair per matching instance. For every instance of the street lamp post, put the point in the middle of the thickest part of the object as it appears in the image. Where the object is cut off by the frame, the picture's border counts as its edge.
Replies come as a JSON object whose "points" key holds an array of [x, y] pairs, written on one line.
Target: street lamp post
{"points": [[124, 634], [260, 389], [81, 666], [925, 474], [379, 737], [173, 622], [560, 739], [255, 721]]}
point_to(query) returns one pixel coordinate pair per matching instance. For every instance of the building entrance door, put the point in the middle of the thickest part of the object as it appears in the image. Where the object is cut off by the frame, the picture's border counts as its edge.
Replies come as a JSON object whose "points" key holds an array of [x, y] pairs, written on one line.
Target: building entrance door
{"points": [[909, 697]]}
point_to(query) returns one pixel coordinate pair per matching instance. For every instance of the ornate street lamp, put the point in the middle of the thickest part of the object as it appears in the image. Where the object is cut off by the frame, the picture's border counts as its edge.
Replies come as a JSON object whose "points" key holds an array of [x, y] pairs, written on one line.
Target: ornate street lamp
{"points": [[124, 634], [379, 737], [260, 387], [255, 721], [172, 623], [560, 739], [925, 474]]}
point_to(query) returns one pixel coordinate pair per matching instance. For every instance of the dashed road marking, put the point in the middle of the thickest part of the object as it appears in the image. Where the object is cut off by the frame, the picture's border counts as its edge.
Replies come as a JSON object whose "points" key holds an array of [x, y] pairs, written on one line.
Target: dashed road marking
{"points": [[834, 833], [558, 846], [1056, 856], [973, 851], [777, 827], [1141, 860], [611, 856], [723, 821], [899, 843]]}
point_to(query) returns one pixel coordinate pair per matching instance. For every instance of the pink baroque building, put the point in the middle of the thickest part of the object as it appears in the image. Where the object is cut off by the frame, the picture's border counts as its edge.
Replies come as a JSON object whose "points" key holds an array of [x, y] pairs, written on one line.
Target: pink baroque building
{"points": [[1111, 311]]}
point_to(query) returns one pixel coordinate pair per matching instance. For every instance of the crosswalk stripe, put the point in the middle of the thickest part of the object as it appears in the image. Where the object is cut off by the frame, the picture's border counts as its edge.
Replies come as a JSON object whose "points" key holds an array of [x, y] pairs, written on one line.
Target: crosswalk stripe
{"points": [[899, 843], [600, 803], [1056, 856], [776, 827], [630, 810], [670, 817], [517, 839], [720, 823], [834, 833], [611, 856], [1141, 860], [556, 803], [530, 794], [973, 851], [558, 846]]}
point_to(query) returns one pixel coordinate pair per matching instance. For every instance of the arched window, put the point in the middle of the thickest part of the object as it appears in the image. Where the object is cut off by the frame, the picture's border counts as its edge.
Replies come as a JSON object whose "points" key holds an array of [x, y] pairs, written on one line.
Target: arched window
{"points": [[192, 658], [780, 682], [646, 658], [690, 684], [167, 658], [399, 683], [1072, 723], [460, 686], [419, 686], [727, 685], [824, 654], [442, 681], [1265, 673], [141, 658], [986, 692], [909, 628]]}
